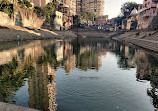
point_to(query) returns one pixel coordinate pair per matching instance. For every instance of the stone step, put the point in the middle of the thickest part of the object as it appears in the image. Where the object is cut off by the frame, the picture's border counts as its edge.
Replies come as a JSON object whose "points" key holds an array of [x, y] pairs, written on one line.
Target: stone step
{"points": [[148, 44], [11, 107]]}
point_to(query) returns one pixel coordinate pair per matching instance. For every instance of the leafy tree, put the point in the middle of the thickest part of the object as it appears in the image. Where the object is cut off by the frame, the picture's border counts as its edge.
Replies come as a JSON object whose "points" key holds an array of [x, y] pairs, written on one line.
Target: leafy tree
{"points": [[50, 9], [118, 20], [88, 16], [25, 3], [76, 20], [85, 15], [39, 11], [47, 11], [127, 8], [6, 7], [11, 79]]}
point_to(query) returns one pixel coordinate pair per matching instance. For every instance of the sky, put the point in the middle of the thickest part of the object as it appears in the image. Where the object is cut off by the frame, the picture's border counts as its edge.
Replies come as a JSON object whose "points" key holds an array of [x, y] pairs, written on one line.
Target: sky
{"points": [[112, 7]]}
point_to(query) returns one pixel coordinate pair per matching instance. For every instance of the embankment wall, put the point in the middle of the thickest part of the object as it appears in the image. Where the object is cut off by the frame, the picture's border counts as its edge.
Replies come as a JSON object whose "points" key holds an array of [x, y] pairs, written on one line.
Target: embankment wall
{"points": [[22, 17]]}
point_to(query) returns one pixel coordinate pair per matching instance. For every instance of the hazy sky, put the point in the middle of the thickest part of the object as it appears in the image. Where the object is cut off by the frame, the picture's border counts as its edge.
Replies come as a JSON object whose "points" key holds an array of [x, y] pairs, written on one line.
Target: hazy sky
{"points": [[112, 7]]}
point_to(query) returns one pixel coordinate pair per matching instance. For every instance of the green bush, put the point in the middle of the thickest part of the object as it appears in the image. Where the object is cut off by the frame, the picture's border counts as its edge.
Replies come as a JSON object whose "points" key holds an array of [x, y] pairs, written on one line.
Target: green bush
{"points": [[39, 11], [47, 11], [25, 3], [88, 16], [11, 79], [6, 7]]}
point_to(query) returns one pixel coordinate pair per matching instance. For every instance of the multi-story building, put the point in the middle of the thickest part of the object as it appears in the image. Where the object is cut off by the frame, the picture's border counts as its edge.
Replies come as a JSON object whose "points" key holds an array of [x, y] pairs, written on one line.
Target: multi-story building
{"points": [[58, 21], [42, 90], [102, 19], [73, 7], [93, 6], [78, 6], [140, 7], [40, 3], [147, 13], [132, 20], [68, 8]]}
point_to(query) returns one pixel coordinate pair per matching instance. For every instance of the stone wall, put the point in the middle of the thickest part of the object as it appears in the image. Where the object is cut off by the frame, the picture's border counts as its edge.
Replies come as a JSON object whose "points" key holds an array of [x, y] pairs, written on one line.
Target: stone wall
{"points": [[5, 19], [154, 23], [23, 18]]}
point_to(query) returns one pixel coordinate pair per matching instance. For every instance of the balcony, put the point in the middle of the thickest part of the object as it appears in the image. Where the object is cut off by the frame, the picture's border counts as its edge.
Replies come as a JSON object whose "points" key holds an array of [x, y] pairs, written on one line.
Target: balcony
{"points": [[152, 5], [156, 1], [145, 14], [148, 13]]}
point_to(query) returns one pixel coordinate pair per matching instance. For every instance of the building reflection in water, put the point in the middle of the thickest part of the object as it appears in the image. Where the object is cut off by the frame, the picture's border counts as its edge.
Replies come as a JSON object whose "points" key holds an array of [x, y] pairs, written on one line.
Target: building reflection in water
{"points": [[22, 62], [42, 88], [146, 69], [38, 61], [145, 63]]}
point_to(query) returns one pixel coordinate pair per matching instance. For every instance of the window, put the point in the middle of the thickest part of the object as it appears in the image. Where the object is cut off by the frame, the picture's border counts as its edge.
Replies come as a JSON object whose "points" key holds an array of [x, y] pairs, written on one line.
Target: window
{"points": [[153, 11], [95, 10], [145, 5]]}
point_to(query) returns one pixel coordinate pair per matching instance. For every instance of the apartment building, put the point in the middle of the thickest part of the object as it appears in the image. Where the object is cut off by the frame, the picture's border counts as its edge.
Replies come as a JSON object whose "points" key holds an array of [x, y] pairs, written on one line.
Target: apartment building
{"points": [[40, 3], [93, 6], [73, 7], [102, 19], [147, 13], [68, 8], [132, 20]]}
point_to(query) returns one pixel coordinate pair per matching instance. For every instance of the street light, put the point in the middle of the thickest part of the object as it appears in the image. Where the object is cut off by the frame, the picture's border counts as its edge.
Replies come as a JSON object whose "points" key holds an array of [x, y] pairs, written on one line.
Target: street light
{"points": [[77, 17]]}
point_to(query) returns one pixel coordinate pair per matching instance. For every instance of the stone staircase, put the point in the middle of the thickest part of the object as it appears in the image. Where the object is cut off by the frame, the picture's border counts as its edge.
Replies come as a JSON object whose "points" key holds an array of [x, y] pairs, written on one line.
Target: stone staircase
{"points": [[147, 44]]}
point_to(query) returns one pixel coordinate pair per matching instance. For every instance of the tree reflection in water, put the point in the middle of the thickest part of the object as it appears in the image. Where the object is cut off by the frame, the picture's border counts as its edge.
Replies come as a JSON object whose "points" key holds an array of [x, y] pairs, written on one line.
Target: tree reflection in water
{"points": [[146, 67], [38, 61], [11, 79]]}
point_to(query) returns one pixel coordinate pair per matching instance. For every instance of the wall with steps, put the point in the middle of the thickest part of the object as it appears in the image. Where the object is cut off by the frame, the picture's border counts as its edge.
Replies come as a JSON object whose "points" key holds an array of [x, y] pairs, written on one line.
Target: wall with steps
{"points": [[147, 44], [22, 17]]}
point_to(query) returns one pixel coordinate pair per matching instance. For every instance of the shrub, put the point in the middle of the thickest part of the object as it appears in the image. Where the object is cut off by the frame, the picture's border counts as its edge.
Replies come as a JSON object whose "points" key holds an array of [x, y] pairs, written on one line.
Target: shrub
{"points": [[6, 7], [25, 3], [39, 11], [47, 11]]}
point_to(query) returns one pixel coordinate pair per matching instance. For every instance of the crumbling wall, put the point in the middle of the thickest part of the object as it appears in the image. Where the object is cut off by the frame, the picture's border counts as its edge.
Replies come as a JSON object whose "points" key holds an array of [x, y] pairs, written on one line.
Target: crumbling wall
{"points": [[154, 23], [22, 17]]}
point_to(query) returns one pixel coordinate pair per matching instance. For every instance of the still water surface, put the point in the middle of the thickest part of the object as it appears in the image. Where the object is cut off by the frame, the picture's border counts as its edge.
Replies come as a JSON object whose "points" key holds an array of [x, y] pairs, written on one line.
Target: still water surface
{"points": [[78, 75]]}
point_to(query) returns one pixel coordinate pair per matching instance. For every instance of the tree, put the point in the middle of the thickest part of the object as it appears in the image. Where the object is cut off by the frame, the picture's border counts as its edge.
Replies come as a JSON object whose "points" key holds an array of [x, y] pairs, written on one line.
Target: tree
{"points": [[118, 20], [127, 8], [88, 16], [48, 11], [76, 20], [25, 3], [7, 7]]}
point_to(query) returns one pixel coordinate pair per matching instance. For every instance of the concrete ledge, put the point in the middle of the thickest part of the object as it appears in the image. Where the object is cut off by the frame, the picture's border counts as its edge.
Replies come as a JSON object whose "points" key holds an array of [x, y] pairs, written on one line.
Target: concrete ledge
{"points": [[11, 107]]}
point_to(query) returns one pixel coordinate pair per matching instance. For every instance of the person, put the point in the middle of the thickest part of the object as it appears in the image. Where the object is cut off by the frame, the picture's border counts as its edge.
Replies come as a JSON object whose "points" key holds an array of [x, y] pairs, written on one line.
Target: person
{"points": [[64, 25]]}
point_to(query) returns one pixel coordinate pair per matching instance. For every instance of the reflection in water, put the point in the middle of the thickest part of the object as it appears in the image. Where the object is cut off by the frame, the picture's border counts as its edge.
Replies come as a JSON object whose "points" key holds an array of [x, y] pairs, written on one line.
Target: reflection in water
{"points": [[146, 67], [39, 60], [42, 88], [148, 70]]}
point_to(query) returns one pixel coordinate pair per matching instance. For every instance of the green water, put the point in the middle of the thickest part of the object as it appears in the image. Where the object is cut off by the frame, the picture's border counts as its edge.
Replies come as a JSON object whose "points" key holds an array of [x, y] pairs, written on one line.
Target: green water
{"points": [[78, 75]]}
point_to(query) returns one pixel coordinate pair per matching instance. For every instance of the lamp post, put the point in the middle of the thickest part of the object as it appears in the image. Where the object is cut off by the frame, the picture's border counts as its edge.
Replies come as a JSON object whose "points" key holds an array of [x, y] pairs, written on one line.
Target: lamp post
{"points": [[77, 17]]}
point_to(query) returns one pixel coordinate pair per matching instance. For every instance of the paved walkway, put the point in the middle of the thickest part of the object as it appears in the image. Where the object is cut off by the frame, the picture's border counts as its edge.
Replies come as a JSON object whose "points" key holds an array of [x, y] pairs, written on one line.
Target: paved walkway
{"points": [[11, 107], [144, 43]]}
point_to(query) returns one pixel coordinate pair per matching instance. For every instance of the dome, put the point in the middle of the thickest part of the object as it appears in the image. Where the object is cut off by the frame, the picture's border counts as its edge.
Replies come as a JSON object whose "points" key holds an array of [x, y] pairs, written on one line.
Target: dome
{"points": [[134, 12]]}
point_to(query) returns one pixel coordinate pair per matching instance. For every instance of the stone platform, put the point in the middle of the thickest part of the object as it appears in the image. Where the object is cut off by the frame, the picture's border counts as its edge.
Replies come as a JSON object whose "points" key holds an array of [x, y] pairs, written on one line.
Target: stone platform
{"points": [[11, 107]]}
